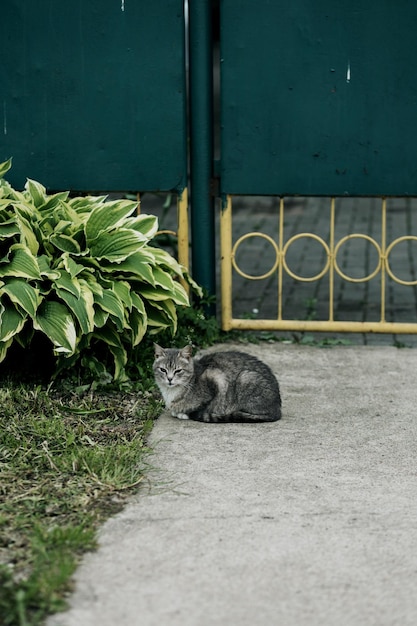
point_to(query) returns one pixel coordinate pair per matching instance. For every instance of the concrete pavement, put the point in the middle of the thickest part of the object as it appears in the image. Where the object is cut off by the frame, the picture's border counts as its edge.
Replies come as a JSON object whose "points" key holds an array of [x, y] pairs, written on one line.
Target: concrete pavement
{"points": [[308, 521]]}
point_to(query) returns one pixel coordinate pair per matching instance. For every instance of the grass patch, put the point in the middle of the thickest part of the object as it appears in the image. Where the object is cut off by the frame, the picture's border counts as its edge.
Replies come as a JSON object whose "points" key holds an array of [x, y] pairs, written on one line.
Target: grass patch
{"points": [[68, 460]]}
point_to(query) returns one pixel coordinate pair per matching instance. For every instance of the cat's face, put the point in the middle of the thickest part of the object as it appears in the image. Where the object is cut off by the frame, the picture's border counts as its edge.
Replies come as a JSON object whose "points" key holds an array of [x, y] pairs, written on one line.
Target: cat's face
{"points": [[173, 367]]}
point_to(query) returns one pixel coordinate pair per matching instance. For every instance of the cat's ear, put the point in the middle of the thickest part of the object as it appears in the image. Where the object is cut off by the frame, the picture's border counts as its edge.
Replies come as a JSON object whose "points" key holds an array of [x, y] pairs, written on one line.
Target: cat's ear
{"points": [[187, 352], [158, 350]]}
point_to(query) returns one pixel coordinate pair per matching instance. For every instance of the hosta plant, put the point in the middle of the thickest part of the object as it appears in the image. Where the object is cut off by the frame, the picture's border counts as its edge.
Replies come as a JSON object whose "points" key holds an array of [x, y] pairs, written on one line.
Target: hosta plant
{"points": [[82, 271]]}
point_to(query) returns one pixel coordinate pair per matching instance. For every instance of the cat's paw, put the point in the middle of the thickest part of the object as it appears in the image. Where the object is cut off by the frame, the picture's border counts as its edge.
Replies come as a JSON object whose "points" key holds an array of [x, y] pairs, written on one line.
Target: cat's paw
{"points": [[181, 416]]}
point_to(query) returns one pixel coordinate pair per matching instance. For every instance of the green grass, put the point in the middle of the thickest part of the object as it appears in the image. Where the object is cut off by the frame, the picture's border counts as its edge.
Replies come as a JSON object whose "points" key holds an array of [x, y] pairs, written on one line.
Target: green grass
{"points": [[68, 460]]}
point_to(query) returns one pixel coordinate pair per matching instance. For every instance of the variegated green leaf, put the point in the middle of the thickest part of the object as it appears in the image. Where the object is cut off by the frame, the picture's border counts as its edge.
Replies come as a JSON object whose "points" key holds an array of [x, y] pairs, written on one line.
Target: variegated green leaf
{"points": [[82, 307], [5, 202], [145, 224], [46, 226], [66, 282], [144, 273], [138, 318], [9, 192], [122, 289], [65, 243], [36, 192], [100, 317], [110, 335], [154, 294], [23, 294], [167, 307], [65, 218], [63, 225], [88, 297], [4, 346], [194, 286], [162, 257], [179, 295], [55, 320], [157, 294], [92, 284], [111, 303], [107, 216], [20, 263], [117, 246], [120, 360], [11, 322], [9, 228], [51, 202], [157, 320], [163, 279], [137, 264], [84, 205], [91, 264], [27, 230], [44, 263], [138, 303], [138, 326], [25, 210], [74, 269], [4, 167]]}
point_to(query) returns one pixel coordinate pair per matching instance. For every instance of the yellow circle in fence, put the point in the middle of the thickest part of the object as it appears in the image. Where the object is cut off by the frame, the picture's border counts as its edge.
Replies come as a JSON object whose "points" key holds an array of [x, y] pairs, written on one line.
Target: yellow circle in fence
{"points": [[364, 279], [306, 236], [249, 236], [388, 252]]}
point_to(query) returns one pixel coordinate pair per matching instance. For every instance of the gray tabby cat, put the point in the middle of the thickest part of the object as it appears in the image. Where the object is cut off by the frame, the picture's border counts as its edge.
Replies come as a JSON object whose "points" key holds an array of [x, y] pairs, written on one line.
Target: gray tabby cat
{"points": [[216, 387]]}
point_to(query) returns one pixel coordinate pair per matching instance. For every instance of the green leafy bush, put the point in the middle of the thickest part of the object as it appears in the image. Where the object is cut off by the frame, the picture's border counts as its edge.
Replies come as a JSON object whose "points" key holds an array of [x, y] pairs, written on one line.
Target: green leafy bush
{"points": [[82, 272]]}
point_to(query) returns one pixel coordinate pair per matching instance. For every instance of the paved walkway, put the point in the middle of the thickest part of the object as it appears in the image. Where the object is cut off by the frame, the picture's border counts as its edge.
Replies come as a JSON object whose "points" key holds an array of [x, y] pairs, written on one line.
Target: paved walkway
{"points": [[310, 521]]}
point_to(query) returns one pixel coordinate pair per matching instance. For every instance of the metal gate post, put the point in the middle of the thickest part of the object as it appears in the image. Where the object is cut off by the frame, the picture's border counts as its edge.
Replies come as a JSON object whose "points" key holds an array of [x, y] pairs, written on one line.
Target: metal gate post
{"points": [[201, 143]]}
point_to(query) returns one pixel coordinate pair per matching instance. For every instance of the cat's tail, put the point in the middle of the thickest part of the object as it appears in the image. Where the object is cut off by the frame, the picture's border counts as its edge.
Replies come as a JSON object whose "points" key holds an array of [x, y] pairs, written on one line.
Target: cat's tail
{"points": [[244, 416], [240, 417]]}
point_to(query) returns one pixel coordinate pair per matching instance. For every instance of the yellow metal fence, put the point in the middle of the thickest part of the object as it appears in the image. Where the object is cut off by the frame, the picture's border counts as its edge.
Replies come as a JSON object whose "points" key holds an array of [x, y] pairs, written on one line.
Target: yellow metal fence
{"points": [[332, 246]]}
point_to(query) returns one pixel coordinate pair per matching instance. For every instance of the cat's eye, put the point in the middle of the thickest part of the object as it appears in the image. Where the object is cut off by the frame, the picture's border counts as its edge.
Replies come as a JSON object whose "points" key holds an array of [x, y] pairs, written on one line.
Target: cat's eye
{"points": [[163, 370], [178, 371]]}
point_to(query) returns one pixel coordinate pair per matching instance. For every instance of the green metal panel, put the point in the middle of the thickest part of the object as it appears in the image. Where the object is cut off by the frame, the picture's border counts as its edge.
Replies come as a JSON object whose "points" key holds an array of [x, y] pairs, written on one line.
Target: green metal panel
{"points": [[92, 93], [319, 97]]}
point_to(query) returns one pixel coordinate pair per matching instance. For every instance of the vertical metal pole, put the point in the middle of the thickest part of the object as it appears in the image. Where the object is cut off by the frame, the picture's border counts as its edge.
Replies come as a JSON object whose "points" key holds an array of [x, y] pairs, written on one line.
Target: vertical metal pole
{"points": [[201, 143], [331, 264], [182, 233], [281, 256], [383, 256], [226, 263]]}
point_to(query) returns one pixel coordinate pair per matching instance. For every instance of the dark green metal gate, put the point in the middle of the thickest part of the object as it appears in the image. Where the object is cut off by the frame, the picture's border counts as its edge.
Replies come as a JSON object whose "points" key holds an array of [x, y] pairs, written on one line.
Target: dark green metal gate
{"points": [[93, 94], [319, 97]]}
